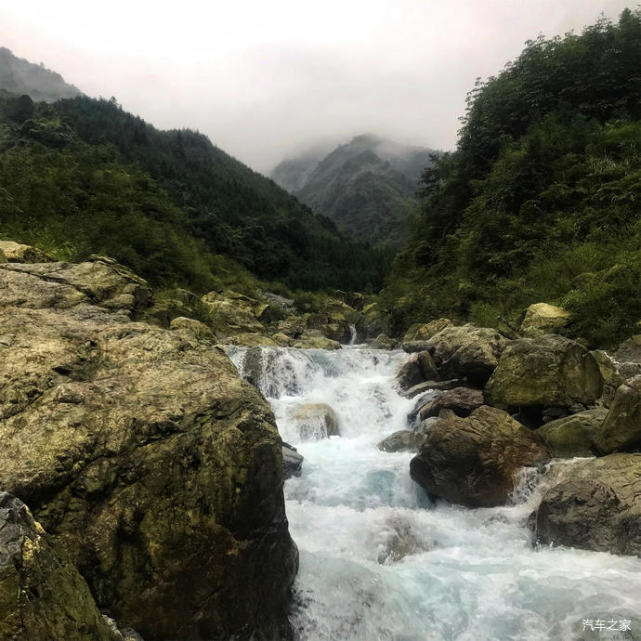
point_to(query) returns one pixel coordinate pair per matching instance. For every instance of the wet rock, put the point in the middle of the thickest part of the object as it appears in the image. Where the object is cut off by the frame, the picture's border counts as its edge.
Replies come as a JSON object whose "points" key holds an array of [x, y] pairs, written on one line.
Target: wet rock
{"points": [[467, 352], [316, 421], [232, 313], [421, 401], [621, 429], [546, 371], [42, 595], [402, 441], [382, 341], [432, 385], [412, 347], [425, 331], [573, 435], [542, 318], [292, 461], [461, 400], [144, 456], [597, 506], [18, 253], [315, 339], [629, 351], [473, 461], [417, 369], [399, 538]]}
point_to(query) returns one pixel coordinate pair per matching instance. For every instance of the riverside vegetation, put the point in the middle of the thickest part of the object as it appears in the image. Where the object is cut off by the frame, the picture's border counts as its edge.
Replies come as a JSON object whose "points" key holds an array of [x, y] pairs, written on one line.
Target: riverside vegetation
{"points": [[142, 478]]}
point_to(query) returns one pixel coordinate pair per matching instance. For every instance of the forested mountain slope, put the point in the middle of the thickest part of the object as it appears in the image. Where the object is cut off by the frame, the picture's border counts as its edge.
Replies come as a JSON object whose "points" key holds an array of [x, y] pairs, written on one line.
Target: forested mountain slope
{"points": [[367, 186], [20, 76], [541, 199], [83, 176]]}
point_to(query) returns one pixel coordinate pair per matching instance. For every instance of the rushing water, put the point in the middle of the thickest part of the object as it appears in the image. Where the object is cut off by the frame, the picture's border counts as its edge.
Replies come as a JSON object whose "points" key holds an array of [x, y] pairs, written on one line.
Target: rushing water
{"points": [[378, 562]]}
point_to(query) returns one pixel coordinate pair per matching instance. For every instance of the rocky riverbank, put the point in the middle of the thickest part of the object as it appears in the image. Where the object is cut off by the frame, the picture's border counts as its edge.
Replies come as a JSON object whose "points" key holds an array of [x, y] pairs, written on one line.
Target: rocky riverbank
{"points": [[487, 406], [152, 473]]}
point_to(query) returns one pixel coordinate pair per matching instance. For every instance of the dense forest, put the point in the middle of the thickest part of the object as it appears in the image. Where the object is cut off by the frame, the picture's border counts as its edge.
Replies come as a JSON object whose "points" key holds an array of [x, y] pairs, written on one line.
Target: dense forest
{"points": [[366, 186], [541, 201], [82, 176]]}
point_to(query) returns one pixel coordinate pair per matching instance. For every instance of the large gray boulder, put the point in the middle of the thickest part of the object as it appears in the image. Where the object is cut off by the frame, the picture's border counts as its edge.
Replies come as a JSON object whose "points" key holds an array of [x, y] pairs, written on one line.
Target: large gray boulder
{"points": [[467, 352], [417, 369], [596, 506], [143, 455], [42, 595], [473, 461], [315, 421], [459, 400], [621, 429], [574, 435], [543, 318], [546, 371]]}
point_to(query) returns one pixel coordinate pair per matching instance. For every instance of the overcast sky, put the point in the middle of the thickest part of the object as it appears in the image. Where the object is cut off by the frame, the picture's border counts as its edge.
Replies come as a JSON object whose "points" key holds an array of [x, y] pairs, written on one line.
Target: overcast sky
{"points": [[265, 78]]}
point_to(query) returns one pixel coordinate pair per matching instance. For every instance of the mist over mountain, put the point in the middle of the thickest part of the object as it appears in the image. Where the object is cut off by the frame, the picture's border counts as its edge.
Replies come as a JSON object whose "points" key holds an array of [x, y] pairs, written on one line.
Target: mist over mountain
{"points": [[367, 186], [20, 76]]}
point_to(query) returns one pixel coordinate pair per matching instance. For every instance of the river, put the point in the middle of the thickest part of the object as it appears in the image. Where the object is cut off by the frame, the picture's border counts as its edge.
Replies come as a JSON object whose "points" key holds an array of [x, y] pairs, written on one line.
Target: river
{"points": [[379, 562]]}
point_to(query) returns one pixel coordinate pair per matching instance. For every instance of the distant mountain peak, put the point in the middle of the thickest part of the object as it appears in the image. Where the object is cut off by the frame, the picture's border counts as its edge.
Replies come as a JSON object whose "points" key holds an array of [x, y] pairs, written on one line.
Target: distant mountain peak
{"points": [[19, 76], [366, 186]]}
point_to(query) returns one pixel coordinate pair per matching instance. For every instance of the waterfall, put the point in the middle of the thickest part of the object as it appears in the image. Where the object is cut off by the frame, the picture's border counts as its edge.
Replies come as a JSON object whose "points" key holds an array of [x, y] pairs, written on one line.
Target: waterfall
{"points": [[378, 562], [352, 334]]}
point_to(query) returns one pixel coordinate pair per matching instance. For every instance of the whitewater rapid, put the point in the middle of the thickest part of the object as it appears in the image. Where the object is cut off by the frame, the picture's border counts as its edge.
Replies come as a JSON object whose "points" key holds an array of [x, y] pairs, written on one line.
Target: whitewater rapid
{"points": [[379, 562]]}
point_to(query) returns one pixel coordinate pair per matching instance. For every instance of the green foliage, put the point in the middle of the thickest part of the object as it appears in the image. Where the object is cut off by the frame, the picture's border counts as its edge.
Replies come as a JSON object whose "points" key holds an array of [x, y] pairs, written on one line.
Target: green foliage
{"points": [[82, 176], [541, 198]]}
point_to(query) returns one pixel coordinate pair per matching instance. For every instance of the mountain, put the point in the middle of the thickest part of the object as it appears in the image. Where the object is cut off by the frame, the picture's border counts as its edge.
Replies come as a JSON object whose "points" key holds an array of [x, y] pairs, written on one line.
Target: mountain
{"points": [[367, 186], [540, 200], [82, 176], [20, 76]]}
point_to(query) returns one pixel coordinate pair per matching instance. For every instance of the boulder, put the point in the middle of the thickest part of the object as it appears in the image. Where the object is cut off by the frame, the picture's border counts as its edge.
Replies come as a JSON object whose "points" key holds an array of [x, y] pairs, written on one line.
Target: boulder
{"points": [[143, 455], [425, 331], [546, 371], [194, 327], [621, 429], [399, 537], [411, 347], [460, 400], [629, 351], [292, 461], [417, 369], [232, 313], [467, 352], [370, 324], [432, 385], [316, 421], [315, 339], [18, 253], [573, 435], [473, 461], [610, 373], [596, 506], [382, 341], [542, 318], [402, 441], [42, 595]]}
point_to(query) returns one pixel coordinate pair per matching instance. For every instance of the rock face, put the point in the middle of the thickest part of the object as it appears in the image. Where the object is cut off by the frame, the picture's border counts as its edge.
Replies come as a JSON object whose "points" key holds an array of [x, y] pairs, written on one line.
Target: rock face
{"points": [[425, 331], [621, 430], [143, 455], [467, 351], [17, 253], [402, 441], [597, 506], [292, 461], [460, 400], [574, 435], [42, 595], [546, 371], [417, 369], [316, 421], [542, 318], [473, 461]]}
